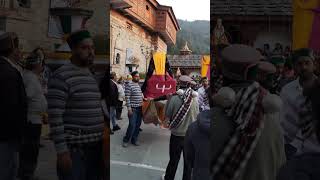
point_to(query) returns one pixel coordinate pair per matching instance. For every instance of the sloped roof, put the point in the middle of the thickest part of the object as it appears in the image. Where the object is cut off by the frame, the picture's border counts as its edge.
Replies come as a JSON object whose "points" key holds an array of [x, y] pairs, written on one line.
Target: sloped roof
{"points": [[185, 48], [185, 60], [251, 7]]}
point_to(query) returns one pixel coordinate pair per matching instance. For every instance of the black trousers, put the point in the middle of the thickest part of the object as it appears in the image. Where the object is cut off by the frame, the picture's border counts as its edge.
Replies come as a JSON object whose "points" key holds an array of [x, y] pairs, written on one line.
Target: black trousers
{"points": [[28, 156], [119, 109], [176, 147]]}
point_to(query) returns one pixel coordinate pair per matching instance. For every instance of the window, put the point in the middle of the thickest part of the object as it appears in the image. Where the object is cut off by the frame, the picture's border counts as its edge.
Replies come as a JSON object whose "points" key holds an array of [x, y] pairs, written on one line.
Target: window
{"points": [[24, 3], [118, 58], [129, 26]]}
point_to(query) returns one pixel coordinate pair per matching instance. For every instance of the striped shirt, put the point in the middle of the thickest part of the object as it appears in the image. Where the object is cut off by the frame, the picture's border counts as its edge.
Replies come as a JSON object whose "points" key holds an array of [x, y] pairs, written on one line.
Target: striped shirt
{"points": [[134, 95], [74, 108]]}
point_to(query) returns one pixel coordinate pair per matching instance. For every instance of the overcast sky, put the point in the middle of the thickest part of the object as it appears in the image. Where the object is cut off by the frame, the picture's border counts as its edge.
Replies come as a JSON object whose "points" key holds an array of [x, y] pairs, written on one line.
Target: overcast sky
{"points": [[189, 9]]}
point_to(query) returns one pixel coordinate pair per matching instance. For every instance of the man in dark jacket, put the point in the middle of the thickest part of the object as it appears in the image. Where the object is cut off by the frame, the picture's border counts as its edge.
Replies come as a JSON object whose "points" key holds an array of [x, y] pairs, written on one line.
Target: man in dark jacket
{"points": [[114, 93], [197, 146], [13, 105]]}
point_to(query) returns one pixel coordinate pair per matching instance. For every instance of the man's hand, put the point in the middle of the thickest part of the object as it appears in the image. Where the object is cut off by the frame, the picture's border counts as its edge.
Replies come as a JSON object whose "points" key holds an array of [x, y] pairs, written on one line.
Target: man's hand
{"points": [[64, 162], [130, 112]]}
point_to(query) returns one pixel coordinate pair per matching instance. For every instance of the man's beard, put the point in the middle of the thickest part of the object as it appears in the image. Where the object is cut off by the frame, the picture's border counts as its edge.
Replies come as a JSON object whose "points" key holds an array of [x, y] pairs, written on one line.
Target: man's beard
{"points": [[86, 62], [135, 80]]}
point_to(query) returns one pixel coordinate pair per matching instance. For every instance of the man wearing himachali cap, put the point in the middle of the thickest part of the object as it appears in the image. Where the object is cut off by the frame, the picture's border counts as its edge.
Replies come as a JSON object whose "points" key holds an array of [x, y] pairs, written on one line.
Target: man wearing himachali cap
{"points": [[246, 140]]}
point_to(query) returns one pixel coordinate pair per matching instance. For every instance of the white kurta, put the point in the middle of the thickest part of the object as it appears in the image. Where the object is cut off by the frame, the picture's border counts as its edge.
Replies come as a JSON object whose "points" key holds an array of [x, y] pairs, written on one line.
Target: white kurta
{"points": [[293, 100]]}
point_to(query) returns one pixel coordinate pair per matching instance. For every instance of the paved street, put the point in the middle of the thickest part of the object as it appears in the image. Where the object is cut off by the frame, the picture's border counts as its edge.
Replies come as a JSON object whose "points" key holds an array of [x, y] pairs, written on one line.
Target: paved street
{"points": [[46, 169], [146, 162]]}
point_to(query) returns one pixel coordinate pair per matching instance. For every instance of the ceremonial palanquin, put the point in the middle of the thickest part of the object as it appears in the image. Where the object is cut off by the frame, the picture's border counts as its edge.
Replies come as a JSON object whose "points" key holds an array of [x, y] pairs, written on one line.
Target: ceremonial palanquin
{"points": [[159, 82]]}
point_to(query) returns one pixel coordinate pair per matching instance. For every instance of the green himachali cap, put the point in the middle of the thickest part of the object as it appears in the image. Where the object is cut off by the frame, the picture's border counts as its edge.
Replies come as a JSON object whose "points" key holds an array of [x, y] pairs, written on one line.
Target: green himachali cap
{"points": [[77, 36]]}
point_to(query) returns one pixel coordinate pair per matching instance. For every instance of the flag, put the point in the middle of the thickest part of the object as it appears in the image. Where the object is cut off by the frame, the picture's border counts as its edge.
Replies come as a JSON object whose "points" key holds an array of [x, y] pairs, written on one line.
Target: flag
{"points": [[306, 24], [205, 65]]}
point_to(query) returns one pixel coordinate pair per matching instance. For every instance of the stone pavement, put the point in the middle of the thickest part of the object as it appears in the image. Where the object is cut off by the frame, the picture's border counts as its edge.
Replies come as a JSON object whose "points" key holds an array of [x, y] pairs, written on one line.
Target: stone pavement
{"points": [[146, 162], [46, 169]]}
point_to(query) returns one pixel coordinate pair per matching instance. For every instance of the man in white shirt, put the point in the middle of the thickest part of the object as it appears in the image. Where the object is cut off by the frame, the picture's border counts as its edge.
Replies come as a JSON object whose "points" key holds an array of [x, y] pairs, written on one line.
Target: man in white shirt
{"points": [[203, 99], [296, 119]]}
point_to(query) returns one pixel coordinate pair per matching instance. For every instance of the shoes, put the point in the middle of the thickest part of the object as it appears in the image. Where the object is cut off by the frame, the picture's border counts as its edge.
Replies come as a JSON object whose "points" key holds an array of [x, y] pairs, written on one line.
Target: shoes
{"points": [[135, 144], [116, 128], [124, 144]]}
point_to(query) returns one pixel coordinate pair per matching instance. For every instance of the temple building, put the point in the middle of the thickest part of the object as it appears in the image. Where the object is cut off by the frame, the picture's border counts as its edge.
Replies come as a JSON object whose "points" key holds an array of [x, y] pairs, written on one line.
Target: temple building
{"points": [[186, 62], [138, 28], [254, 22]]}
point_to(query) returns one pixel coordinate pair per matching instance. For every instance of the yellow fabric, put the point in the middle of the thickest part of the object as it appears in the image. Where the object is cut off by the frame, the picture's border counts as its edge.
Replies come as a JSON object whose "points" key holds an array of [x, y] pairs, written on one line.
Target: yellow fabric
{"points": [[302, 22], [205, 64], [159, 59]]}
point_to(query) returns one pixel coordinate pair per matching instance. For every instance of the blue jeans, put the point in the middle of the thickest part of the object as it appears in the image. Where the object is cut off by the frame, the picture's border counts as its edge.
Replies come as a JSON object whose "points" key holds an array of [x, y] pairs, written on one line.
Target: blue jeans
{"points": [[8, 160], [113, 115], [87, 163], [134, 124]]}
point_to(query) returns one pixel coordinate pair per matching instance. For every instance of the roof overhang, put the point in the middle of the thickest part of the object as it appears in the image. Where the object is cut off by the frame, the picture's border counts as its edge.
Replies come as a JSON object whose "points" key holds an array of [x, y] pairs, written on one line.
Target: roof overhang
{"points": [[71, 12], [120, 4]]}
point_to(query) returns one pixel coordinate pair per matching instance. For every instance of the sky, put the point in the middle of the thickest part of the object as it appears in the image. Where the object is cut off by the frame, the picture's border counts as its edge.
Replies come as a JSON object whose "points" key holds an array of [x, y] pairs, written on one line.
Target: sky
{"points": [[189, 9]]}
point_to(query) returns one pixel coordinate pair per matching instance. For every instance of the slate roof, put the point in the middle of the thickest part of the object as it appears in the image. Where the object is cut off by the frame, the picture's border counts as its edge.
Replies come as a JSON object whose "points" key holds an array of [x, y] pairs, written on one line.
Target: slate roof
{"points": [[251, 7], [185, 61]]}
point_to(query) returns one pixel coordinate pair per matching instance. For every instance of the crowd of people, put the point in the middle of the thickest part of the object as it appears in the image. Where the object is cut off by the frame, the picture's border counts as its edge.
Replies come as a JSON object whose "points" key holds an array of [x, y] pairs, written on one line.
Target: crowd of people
{"points": [[258, 120], [68, 99]]}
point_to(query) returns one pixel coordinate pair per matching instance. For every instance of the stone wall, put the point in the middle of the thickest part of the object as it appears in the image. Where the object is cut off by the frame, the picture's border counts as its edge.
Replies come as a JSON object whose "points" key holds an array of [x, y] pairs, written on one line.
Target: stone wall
{"points": [[31, 25], [123, 38]]}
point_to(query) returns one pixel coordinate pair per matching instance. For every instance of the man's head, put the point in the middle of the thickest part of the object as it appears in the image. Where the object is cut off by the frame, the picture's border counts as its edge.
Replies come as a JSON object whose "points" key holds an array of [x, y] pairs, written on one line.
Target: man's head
{"points": [[205, 82], [135, 76], [303, 60], [40, 52], [83, 51], [185, 81], [113, 75], [9, 46], [278, 46], [278, 62], [239, 62], [129, 77], [266, 72], [34, 63]]}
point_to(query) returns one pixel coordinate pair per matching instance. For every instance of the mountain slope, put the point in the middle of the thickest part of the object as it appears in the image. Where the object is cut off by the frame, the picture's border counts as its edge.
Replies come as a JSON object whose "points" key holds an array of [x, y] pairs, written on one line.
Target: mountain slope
{"points": [[196, 33]]}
